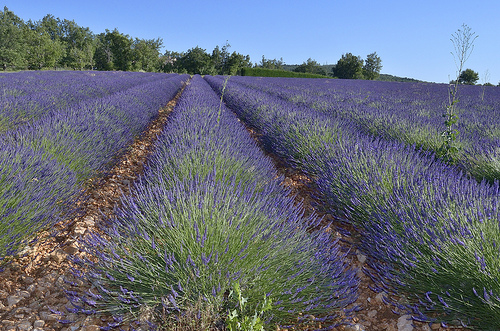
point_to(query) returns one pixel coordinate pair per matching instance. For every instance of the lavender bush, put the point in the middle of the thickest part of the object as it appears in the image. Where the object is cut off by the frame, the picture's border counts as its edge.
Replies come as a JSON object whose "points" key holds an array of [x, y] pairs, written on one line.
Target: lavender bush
{"points": [[435, 231], [46, 162], [32, 190], [209, 212]]}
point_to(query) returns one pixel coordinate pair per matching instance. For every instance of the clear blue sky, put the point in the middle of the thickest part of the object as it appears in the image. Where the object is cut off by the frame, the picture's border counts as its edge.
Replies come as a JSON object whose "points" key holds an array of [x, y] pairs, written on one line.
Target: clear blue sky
{"points": [[411, 37]]}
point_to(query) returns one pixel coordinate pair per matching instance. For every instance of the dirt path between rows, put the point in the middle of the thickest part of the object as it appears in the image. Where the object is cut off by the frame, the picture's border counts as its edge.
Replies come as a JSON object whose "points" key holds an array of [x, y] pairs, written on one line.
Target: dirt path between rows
{"points": [[374, 313]]}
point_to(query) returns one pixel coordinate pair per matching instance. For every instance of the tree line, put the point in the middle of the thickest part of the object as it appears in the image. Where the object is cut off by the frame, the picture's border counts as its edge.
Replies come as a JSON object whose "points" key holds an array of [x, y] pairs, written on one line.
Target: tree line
{"points": [[52, 43]]}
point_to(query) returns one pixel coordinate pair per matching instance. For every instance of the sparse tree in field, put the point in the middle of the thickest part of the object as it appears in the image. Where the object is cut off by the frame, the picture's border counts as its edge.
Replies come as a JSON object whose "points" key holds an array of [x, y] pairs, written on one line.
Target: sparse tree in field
{"points": [[372, 67], [468, 77], [463, 44], [349, 66]]}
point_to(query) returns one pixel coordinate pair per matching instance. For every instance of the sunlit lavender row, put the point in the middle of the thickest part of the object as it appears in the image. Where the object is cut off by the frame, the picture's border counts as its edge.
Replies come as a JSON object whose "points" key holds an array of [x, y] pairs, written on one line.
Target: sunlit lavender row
{"points": [[408, 112], [29, 95], [433, 235], [210, 212], [45, 163]]}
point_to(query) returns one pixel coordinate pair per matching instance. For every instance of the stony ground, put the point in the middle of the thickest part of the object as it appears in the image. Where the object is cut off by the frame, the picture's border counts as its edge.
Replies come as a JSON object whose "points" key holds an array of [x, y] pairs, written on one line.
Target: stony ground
{"points": [[32, 287]]}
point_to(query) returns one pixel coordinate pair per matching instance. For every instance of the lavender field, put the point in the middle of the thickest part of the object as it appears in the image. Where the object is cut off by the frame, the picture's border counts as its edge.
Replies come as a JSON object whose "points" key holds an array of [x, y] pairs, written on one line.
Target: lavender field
{"points": [[60, 129], [210, 217]]}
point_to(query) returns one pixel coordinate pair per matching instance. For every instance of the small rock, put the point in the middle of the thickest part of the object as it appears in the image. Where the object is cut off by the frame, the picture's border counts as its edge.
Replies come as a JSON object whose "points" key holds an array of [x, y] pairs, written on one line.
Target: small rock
{"points": [[80, 230], [379, 297], [426, 327], [49, 317], [24, 310], [372, 313], [361, 257], [435, 326], [39, 324], [24, 326], [14, 299], [58, 255], [60, 281], [355, 327], [75, 327], [71, 249], [31, 288], [25, 294], [405, 323], [27, 280], [35, 305]]}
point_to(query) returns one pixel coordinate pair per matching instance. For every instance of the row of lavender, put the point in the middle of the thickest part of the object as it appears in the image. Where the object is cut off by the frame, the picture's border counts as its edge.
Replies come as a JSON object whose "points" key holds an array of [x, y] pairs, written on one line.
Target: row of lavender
{"points": [[435, 232], [28, 96], [44, 163], [208, 213], [406, 112]]}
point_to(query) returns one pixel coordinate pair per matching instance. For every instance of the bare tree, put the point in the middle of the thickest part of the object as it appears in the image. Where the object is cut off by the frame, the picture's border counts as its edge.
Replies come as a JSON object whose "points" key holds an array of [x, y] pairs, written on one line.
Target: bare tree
{"points": [[463, 44]]}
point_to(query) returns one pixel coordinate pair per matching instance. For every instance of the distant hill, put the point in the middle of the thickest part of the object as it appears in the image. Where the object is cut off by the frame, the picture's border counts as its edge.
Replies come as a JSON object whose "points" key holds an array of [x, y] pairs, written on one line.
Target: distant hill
{"points": [[383, 77]]}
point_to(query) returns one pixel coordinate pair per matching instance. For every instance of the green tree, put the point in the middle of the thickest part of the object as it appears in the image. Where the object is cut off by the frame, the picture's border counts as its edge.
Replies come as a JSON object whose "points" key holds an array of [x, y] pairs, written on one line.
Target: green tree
{"points": [[311, 66], [271, 64], [349, 67], [468, 77], [103, 56], [12, 53], [196, 61], [113, 51], [220, 57], [372, 67], [121, 48], [79, 42], [51, 25], [146, 54], [80, 45], [170, 61], [41, 51], [236, 62]]}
